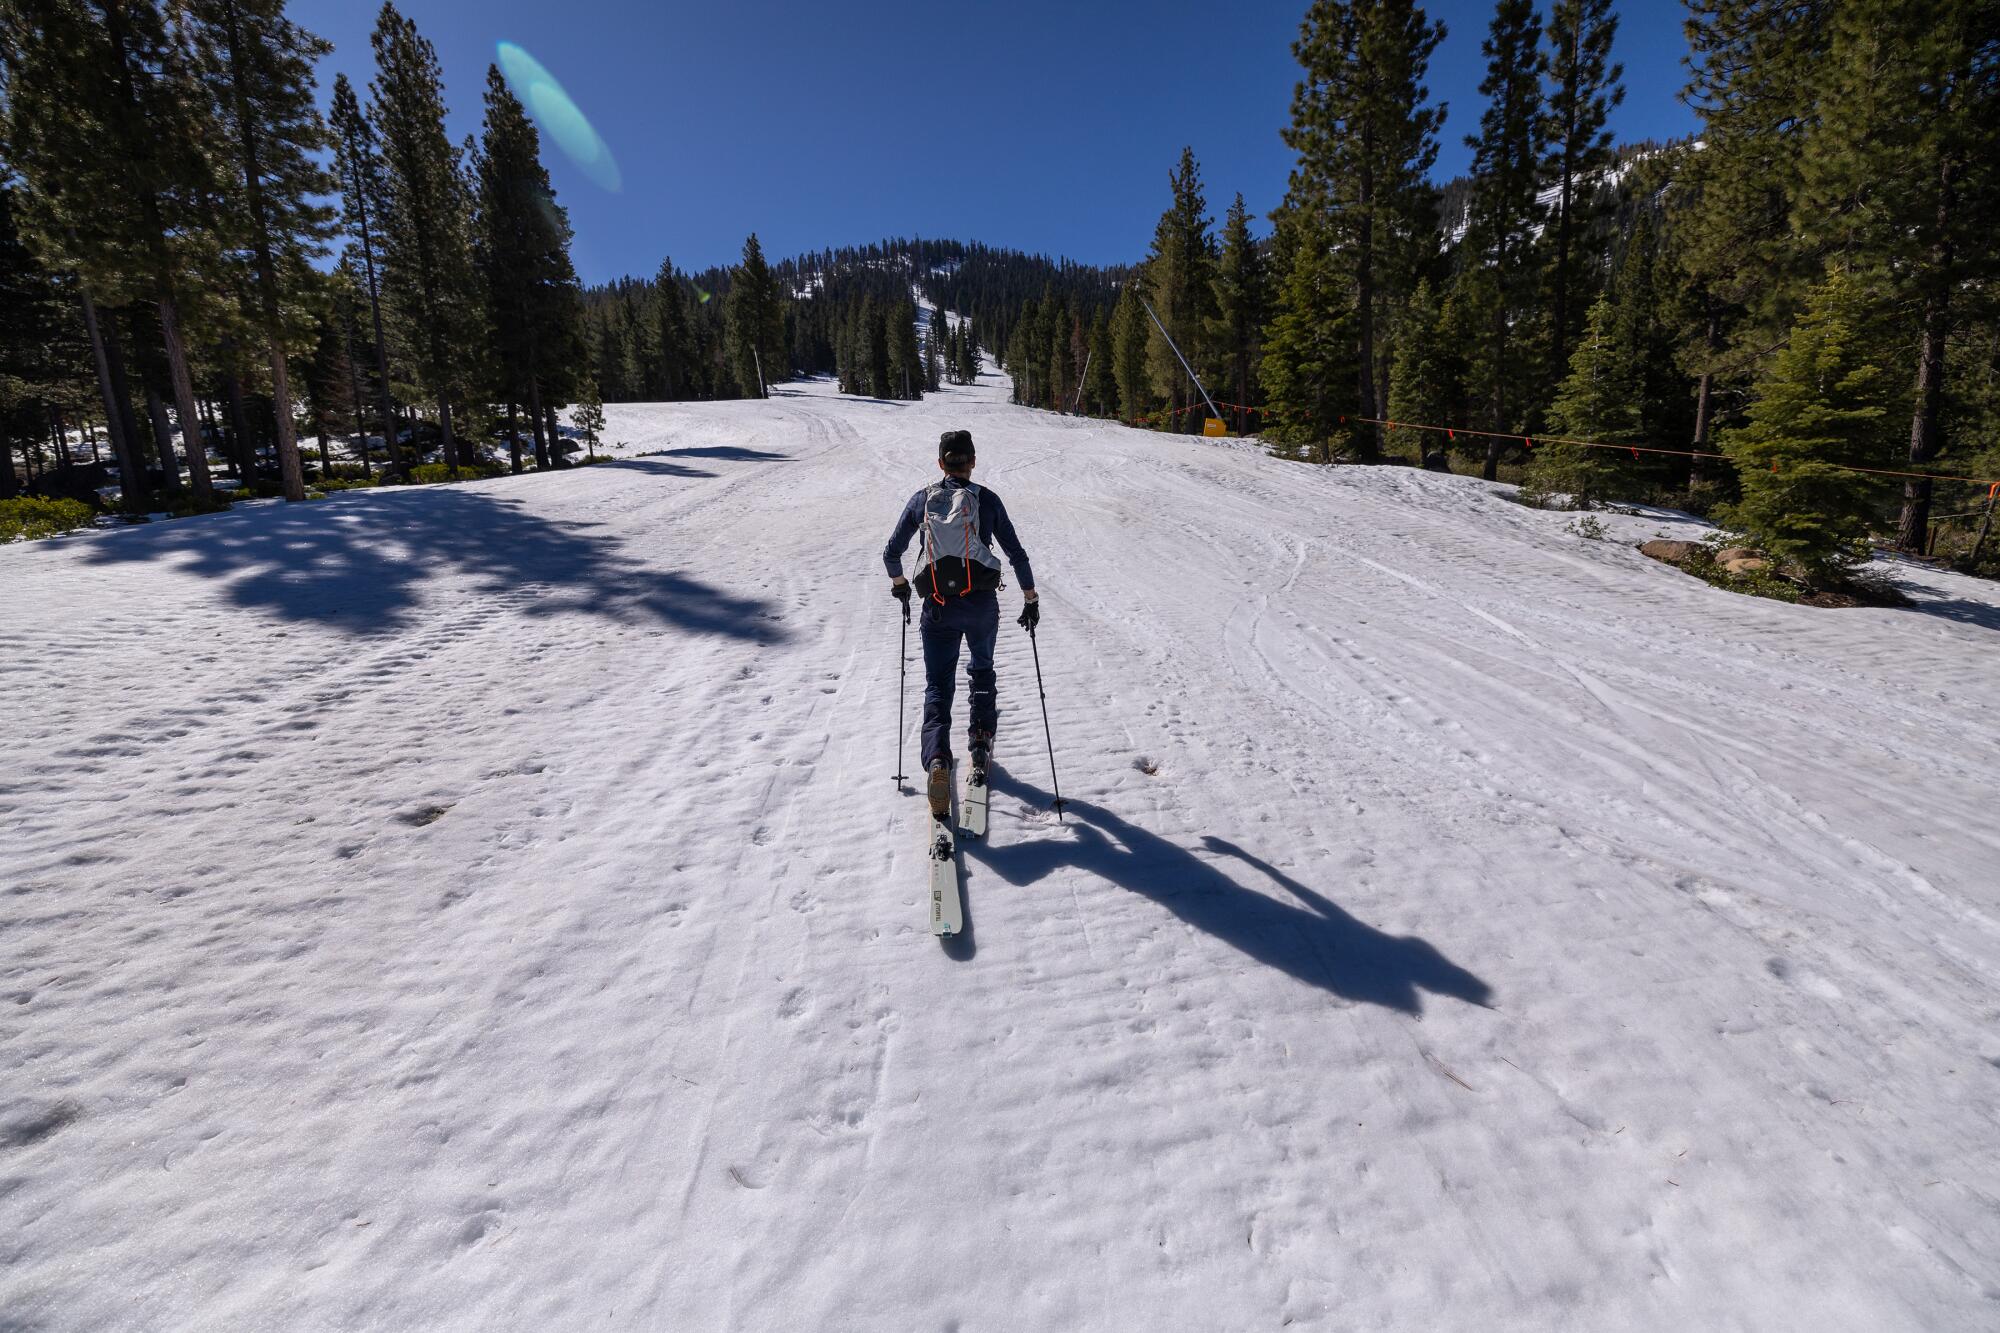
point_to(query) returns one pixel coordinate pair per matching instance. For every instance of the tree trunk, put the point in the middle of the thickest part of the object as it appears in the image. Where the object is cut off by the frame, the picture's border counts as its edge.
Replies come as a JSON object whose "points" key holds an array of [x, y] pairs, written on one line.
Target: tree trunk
{"points": [[545, 454], [450, 444], [130, 481], [556, 450], [1370, 437], [163, 438], [121, 395], [192, 443], [354, 377], [514, 437], [162, 263], [1925, 437], [291, 473], [1704, 399], [239, 422]]}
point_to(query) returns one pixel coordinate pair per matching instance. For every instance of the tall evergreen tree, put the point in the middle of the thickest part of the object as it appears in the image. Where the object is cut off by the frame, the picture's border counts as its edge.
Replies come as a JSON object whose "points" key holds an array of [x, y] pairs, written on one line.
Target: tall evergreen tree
{"points": [[1754, 70], [1427, 383], [1506, 163], [1129, 331], [1822, 409], [1366, 139], [363, 190], [1902, 183], [521, 245], [109, 128], [1310, 371], [754, 315], [426, 230], [1180, 273], [259, 64], [1242, 301], [1583, 87]]}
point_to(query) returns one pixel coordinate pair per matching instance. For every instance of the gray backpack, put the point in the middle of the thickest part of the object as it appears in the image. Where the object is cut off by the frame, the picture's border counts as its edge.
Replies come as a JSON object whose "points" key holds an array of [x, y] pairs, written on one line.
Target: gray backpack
{"points": [[956, 561]]}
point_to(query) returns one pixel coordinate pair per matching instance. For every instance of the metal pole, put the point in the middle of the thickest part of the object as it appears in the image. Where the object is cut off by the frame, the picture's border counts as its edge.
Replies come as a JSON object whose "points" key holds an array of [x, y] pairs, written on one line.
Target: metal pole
{"points": [[1054, 781], [902, 693], [1183, 360], [762, 390], [1077, 400]]}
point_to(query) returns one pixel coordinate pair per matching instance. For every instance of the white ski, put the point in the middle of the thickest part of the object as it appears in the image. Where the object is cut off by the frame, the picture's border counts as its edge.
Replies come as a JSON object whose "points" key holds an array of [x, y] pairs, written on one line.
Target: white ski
{"points": [[972, 815], [947, 909]]}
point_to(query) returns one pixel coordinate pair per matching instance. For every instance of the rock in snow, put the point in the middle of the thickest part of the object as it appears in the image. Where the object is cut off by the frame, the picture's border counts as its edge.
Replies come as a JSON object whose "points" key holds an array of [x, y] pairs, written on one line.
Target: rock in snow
{"points": [[486, 907]]}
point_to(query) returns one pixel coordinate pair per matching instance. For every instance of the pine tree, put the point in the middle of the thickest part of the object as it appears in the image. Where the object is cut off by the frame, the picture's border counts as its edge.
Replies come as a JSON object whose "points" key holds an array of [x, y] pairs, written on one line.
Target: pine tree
{"points": [[968, 353], [532, 302], [426, 230], [1242, 301], [755, 319], [589, 416], [1583, 89], [1311, 372], [1129, 329], [1824, 405], [1599, 401], [1902, 180], [1366, 140], [1180, 273], [1100, 386], [109, 129], [258, 65], [363, 189], [1506, 160], [906, 365], [1755, 67], [41, 350], [1427, 383]]}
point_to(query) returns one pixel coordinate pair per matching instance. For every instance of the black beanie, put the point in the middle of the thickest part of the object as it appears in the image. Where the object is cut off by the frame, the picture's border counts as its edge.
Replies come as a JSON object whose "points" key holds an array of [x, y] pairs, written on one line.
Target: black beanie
{"points": [[955, 444]]}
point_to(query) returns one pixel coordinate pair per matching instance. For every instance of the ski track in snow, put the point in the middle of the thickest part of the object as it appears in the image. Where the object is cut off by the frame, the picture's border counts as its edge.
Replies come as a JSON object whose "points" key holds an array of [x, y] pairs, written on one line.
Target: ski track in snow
{"points": [[486, 907]]}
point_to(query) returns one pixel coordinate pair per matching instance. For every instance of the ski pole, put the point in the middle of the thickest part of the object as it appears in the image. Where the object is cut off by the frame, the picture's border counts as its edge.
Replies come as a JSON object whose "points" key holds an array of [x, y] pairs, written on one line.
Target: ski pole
{"points": [[1054, 781], [902, 693]]}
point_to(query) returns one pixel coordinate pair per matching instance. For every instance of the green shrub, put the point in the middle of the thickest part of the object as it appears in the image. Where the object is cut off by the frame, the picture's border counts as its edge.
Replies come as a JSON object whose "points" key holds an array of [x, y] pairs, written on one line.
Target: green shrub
{"points": [[30, 517], [186, 505], [430, 473], [345, 483]]}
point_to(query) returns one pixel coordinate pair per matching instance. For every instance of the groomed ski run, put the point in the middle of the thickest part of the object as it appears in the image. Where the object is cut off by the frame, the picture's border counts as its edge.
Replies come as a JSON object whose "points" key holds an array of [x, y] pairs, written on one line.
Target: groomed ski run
{"points": [[485, 907]]}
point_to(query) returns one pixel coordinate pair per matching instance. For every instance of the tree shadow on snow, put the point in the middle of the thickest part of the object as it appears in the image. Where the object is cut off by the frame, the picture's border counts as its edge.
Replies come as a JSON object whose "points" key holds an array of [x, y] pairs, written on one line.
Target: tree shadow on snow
{"points": [[1964, 611], [731, 453], [649, 463], [1315, 941], [358, 563]]}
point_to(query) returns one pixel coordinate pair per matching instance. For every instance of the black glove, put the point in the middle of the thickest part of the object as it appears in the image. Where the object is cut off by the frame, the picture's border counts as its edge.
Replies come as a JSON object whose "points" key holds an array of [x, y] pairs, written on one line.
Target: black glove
{"points": [[901, 592], [1031, 616]]}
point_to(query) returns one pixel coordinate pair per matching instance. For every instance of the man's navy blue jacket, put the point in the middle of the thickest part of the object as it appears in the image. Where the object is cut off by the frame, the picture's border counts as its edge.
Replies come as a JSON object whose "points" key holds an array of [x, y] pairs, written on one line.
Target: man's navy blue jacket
{"points": [[995, 528]]}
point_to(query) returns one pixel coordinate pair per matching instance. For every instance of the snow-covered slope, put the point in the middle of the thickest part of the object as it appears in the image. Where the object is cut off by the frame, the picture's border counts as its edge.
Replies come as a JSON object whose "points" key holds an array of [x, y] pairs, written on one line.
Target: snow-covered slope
{"points": [[488, 907]]}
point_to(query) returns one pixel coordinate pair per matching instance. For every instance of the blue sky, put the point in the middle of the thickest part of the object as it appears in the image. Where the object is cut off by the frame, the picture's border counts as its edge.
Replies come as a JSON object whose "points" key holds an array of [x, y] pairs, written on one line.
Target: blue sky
{"points": [[1041, 126]]}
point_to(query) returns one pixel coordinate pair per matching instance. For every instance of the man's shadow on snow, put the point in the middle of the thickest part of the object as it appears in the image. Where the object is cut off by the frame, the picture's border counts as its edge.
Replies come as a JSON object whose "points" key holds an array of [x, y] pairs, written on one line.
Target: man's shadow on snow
{"points": [[358, 563], [1314, 941]]}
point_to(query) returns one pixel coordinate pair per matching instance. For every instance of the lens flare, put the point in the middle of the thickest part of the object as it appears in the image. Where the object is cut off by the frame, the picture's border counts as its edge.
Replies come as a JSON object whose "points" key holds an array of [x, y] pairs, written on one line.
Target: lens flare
{"points": [[558, 116]]}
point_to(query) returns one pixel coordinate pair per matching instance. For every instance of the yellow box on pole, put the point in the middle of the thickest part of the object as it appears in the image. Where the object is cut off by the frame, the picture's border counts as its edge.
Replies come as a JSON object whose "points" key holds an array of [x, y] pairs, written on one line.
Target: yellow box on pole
{"points": [[1214, 426]]}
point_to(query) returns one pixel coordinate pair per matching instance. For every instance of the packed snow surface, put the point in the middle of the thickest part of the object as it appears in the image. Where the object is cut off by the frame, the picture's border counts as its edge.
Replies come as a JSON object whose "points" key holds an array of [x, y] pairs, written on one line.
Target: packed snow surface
{"points": [[490, 907]]}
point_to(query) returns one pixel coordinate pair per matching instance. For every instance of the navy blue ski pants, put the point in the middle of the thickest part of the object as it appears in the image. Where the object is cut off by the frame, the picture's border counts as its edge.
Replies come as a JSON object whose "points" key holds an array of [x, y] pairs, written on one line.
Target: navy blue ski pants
{"points": [[976, 619]]}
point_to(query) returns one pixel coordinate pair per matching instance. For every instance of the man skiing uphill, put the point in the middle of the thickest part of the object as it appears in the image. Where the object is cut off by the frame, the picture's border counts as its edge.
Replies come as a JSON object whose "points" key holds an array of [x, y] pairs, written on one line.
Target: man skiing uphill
{"points": [[958, 581]]}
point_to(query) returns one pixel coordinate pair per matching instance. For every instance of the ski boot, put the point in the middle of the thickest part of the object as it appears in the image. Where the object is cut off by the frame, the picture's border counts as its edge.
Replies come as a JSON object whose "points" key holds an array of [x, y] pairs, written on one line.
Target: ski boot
{"points": [[939, 789], [982, 754]]}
